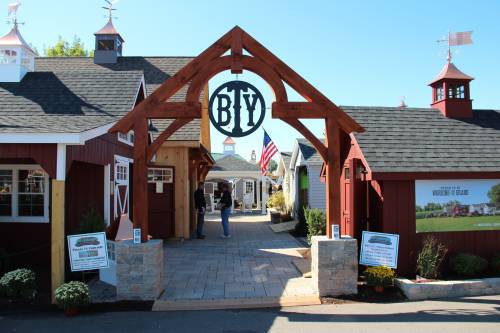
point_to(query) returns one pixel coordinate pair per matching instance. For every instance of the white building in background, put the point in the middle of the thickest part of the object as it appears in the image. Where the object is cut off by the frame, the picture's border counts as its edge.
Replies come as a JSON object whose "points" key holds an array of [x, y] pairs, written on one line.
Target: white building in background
{"points": [[249, 186]]}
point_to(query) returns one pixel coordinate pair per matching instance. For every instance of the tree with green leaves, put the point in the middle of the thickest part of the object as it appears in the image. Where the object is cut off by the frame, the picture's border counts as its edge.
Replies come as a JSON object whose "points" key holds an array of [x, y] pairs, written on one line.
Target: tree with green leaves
{"points": [[65, 49], [494, 195], [273, 165]]}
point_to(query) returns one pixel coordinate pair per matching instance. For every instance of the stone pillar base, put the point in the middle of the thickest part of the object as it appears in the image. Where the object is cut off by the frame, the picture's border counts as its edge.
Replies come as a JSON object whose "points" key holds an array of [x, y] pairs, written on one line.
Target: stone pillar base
{"points": [[334, 265], [139, 270]]}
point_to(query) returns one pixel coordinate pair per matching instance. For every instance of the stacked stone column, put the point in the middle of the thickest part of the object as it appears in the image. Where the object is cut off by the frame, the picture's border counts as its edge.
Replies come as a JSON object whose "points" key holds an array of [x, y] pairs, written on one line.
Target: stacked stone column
{"points": [[139, 270], [334, 265]]}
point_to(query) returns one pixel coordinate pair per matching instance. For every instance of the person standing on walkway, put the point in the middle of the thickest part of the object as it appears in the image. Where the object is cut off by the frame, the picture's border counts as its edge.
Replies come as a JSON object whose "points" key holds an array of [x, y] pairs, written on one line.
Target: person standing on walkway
{"points": [[201, 206], [225, 209]]}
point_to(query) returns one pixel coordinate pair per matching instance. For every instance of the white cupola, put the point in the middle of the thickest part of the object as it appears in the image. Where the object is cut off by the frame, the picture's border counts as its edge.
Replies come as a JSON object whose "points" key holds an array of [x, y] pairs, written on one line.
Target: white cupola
{"points": [[16, 56]]}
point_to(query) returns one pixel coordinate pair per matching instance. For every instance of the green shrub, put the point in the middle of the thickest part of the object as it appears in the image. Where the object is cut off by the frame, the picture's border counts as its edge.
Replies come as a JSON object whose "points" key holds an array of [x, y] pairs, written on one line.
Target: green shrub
{"points": [[379, 276], [430, 258], [19, 283], [316, 222], [92, 221], [73, 294], [465, 264], [277, 200], [495, 264]]}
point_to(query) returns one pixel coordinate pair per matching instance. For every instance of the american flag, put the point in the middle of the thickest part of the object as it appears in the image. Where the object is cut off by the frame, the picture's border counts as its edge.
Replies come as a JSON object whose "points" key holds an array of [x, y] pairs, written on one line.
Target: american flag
{"points": [[268, 151]]}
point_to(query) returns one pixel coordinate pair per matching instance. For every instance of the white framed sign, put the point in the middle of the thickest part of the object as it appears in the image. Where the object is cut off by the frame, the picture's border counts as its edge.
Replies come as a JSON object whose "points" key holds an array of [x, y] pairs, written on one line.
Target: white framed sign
{"points": [[336, 231], [379, 249], [137, 235], [88, 251]]}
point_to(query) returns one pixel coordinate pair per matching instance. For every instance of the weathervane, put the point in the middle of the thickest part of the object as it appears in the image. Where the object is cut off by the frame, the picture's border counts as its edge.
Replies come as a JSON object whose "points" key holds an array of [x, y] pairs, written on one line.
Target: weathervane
{"points": [[12, 12], [456, 39], [110, 8]]}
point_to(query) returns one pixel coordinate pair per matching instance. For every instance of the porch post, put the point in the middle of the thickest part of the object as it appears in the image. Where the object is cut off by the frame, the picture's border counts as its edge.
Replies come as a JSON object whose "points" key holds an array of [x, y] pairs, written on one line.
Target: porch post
{"points": [[259, 187], [332, 176], [263, 186], [140, 218], [57, 221], [107, 193]]}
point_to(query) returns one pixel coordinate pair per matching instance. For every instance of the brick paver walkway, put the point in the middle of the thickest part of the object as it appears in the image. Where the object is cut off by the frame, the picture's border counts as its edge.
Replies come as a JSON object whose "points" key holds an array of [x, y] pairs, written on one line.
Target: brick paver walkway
{"points": [[255, 262]]}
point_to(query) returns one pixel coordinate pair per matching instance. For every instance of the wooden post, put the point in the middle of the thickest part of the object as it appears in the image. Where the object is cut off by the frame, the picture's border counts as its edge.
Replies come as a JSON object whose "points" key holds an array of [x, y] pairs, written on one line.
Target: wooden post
{"points": [[57, 232], [333, 174], [57, 235], [140, 218]]}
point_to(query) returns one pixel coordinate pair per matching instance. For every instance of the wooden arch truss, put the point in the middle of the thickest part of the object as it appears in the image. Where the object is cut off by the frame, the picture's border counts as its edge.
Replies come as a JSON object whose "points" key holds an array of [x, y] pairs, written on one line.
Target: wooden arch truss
{"points": [[196, 74]]}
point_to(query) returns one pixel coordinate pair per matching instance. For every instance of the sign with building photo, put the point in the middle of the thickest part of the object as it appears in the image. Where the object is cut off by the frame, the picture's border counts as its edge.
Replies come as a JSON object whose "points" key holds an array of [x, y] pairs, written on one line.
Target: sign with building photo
{"points": [[379, 249], [457, 205], [88, 251]]}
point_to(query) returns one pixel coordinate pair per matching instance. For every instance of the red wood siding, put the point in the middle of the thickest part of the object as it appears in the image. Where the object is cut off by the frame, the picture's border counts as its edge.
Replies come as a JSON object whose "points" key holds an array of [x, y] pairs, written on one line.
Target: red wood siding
{"points": [[36, 153], [398, 216], [29, 243], [84, 190], [100, 150]]}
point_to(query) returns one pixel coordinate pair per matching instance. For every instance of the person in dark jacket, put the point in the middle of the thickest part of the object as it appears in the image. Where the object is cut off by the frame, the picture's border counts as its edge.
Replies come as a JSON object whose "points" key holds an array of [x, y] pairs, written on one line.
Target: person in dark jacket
{"points": [[225, 209], [201, 206]]}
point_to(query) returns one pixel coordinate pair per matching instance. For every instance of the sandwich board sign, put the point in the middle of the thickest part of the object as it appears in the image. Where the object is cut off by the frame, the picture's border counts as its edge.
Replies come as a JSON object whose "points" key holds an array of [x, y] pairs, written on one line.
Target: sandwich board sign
{"points": [[88, 251], [379, 249]]}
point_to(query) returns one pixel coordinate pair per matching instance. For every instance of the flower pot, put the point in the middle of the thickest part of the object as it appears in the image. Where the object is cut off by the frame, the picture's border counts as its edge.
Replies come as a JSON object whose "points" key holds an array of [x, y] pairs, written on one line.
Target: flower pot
{"points": [[379, 289], [275, 217], [71, 312]]}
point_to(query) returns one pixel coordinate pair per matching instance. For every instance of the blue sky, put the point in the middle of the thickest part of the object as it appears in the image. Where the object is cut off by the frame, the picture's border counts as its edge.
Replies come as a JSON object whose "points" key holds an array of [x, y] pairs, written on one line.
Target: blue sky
{"points": [[477, 191], [355, 52]]}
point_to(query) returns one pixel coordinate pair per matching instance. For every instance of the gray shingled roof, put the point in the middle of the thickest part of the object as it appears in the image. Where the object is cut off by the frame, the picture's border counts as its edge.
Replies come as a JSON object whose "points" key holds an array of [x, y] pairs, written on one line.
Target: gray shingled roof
{"points": [[156, 71], [423, 140], [308, 151], [234, 163], [286, 156], [80, 76], [45, 102]]}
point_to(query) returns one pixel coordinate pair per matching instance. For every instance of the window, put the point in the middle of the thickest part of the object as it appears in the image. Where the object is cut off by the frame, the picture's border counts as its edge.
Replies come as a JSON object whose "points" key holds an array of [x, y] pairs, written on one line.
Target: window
{"points": [[248, 187], [106, 45], [5, 192], [456, 91], [8, 56], [439, 93], [160, 175], [127, 138], [347, 173], [23, 194]]}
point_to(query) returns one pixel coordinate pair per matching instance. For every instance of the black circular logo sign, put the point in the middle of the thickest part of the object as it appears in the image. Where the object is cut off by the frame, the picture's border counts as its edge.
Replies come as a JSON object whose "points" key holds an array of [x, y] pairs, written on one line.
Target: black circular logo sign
{"points": [[227, 103]]}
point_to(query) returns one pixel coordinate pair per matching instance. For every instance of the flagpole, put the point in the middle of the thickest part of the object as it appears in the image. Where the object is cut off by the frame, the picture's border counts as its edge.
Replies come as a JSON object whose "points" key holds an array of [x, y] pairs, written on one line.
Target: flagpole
{"points": [[449, 47]]}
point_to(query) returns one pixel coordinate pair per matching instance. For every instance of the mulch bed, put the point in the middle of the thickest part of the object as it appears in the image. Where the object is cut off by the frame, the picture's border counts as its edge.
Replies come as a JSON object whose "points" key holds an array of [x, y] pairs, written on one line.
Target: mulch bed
{"points": [[366, 294]]}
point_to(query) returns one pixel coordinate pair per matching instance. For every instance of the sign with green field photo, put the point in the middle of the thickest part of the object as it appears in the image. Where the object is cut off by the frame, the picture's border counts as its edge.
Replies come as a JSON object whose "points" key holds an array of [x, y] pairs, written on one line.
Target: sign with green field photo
{"points": [[457, 205]]}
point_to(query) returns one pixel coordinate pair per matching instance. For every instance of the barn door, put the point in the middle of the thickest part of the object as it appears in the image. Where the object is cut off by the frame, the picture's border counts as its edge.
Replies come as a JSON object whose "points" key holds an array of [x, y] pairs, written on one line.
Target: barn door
{"points": [[121, 189], [161, 202]]}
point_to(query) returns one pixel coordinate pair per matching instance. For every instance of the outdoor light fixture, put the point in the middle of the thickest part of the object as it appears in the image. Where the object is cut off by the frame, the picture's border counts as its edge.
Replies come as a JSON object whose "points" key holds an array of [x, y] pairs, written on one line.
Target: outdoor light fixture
{"points": [[152, 128]]}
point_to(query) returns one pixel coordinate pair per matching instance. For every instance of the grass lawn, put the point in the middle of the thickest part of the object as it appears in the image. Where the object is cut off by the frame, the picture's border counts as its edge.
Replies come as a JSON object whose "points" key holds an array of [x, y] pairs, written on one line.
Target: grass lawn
{"points": [[437, 224]]}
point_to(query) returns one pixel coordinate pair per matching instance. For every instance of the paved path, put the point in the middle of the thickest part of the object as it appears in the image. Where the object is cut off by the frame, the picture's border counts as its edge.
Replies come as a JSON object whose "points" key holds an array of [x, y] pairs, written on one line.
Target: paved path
{"points": [[474, 314], [255, 262]]}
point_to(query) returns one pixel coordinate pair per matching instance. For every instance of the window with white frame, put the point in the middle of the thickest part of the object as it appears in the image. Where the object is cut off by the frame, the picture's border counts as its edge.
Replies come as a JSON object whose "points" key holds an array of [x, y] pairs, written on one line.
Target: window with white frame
{"points": [[24, 191], [162, 175], [249, 187], [127, 138]]}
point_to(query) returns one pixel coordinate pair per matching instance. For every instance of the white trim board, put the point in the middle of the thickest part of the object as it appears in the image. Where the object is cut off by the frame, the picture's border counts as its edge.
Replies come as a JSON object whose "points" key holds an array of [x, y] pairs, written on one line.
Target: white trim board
{"points": [[64, 138]]}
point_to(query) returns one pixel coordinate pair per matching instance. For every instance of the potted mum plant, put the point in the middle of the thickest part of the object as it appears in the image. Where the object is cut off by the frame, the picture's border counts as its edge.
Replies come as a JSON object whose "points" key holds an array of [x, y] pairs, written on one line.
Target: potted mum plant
{"points": [[379, 277], [72, 296]]}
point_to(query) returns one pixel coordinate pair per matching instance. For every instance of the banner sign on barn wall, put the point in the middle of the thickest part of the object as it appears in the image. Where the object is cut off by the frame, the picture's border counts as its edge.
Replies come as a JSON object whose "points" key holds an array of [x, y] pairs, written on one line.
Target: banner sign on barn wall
{"points": [[457, 205], [379, 249], [88, 251]]}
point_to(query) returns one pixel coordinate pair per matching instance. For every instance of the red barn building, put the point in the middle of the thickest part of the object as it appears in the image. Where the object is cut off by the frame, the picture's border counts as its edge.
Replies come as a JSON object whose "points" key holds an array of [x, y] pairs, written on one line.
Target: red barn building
{"points": [[57, 159], [402, 146]]}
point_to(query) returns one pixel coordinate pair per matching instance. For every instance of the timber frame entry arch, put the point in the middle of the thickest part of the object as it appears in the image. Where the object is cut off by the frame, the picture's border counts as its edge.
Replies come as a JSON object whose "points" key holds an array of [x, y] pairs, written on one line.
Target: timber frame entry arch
{"points": [[271, 69]]}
